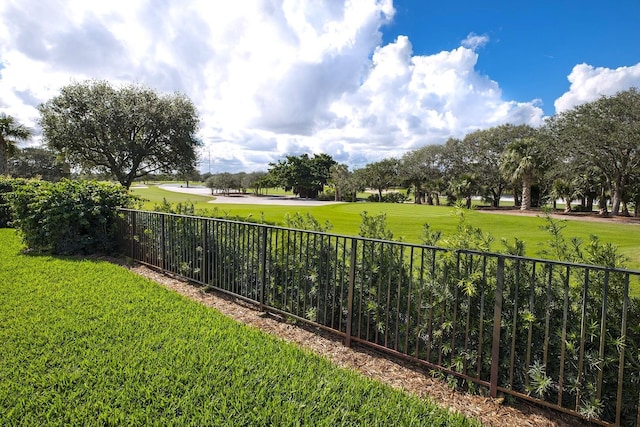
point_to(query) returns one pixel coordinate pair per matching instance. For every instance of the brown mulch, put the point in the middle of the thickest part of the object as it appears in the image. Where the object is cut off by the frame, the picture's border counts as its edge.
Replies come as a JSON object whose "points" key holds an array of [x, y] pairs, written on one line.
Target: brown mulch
{"points": [[413, 379]]}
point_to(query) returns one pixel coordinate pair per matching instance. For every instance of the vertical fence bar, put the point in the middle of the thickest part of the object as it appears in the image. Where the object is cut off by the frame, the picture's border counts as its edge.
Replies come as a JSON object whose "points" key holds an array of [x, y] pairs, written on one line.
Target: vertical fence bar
{"points": [[495, 341], [583, 333], [352, 281], [263, 267], [205, 252], [514, 329], [132, 234], [481, 320], [623, 335], [419, 305], [530, 331], [563, 344], [547, 318], [409, 320], [163, 243], [603, 333]]}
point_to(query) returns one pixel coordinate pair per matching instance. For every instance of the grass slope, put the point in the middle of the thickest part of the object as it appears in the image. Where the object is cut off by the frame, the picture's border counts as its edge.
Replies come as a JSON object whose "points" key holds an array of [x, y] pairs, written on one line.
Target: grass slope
{"points": [[88, 343]]}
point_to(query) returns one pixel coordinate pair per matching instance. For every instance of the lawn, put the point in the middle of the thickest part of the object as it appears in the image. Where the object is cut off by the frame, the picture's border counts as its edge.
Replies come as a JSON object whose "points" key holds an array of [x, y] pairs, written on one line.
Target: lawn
{"points": [[86, 342], [406, 221]]}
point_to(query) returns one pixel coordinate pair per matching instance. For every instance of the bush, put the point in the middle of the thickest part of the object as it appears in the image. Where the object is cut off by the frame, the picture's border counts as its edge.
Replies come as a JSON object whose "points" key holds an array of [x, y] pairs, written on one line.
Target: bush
{"points": [[394, 197], [7, 186], [68, 217]]}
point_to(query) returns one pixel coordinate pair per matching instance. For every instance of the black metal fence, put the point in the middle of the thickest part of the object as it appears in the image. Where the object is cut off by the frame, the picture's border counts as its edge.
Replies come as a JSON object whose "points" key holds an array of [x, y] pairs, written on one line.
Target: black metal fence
{"points": [[562, 335]]}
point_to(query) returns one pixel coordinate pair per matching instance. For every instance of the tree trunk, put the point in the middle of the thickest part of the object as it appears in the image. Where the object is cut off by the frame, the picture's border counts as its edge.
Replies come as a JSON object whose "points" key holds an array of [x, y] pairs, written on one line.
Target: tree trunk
{"points": [[602, 203], [616, 197], [3, 157], [527, 179]]}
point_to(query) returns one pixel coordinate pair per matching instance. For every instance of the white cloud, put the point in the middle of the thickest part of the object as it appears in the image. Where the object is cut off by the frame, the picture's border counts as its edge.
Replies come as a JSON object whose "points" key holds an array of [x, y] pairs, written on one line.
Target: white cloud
{"points": [[589, 83], [269, 77], [474, 41]]}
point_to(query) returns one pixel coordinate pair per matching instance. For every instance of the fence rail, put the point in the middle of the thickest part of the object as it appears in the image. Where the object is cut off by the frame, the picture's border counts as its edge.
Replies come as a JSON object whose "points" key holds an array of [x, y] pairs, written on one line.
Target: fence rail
{"points": [[559, 334]]}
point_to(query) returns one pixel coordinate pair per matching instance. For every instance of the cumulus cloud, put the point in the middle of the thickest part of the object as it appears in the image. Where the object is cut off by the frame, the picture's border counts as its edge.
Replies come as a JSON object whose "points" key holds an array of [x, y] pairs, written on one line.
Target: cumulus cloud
{"points": [[588, 83], [269, 77]]}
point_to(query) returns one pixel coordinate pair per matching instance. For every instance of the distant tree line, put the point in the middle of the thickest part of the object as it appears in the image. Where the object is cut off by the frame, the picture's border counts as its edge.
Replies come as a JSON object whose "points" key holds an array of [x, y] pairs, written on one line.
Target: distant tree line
{"points": [[589, 154]]}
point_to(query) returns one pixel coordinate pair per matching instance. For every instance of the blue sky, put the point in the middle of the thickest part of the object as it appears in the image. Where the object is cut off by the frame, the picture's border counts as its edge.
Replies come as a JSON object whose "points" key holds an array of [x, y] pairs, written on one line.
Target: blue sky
{"points": [[533, 45], [361, 80]]}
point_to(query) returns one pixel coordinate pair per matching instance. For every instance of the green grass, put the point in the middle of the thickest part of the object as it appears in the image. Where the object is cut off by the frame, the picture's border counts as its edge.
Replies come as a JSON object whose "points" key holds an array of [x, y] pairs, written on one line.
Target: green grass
{"points": [[406, 221], [86, 342]]}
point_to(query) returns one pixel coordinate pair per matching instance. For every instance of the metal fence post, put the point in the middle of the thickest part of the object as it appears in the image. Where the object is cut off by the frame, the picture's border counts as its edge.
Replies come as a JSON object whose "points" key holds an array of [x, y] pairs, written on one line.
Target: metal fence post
{"points": [[263, 267], [495, 341], [205, 251], [163, 243], [132, 234], [352, 281]]}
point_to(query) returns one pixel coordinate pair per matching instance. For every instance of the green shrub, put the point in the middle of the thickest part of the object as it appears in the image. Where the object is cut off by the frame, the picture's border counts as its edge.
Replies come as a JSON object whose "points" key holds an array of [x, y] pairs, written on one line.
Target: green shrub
{"points": [[68, 217], [393, 197], [7, 186]]}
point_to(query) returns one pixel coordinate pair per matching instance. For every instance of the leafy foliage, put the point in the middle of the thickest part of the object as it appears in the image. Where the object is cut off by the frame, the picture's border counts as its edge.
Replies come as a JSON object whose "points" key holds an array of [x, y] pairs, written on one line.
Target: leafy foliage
{"points": [[11, 132], [128, 132], [305, 175], [604, 134], [68, 217], [36, 162]]}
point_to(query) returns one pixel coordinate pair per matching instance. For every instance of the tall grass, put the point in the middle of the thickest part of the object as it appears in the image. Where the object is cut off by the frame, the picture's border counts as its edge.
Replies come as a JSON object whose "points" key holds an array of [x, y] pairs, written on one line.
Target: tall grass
{"points": [[86, 342]]}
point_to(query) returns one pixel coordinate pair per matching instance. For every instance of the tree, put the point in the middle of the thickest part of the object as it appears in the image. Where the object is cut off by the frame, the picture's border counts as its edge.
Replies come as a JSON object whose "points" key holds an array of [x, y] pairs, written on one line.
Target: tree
{"points": [[11, 132], [381, 175], [606, 134], [224, 182], [32, 162], [420, 169], [481, 153], [305, 175], [522, 160], [345, 183], [128, 132]]}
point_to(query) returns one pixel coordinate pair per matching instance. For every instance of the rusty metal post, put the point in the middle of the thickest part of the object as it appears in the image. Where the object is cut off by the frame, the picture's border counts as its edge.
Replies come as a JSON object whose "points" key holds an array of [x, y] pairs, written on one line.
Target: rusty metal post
{"points": [[497, 317]]}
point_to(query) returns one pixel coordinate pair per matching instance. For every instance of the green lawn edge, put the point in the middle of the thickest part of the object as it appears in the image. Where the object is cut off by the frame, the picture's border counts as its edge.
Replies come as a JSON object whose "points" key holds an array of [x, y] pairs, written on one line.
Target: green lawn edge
{"points": [[86, 342]]}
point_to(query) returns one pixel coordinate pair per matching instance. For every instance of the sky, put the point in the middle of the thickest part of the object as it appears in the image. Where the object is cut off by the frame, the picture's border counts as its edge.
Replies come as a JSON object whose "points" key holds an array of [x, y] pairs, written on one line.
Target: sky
{"points": [[361, 80]]}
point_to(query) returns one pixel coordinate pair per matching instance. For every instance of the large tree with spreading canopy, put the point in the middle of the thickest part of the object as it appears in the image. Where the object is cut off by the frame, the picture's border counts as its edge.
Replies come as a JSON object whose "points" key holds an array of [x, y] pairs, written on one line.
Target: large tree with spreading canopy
{"points": [[605, 134], [128, 132]]}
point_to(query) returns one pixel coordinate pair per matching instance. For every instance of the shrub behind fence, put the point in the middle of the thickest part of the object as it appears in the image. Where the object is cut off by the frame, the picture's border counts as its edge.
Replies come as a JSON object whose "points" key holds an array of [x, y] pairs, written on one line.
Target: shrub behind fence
{"points": [[559, 334]]}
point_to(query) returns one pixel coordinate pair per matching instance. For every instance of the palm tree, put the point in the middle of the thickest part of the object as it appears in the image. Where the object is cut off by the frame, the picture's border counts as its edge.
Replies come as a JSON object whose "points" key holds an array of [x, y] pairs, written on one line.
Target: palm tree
{"points": [[11, 132], [521, 161]]}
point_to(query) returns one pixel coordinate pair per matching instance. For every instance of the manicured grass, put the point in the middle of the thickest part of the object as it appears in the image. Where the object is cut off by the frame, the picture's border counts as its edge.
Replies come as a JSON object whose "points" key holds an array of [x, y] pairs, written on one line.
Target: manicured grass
{"points": [[86, 342], [406, 221]]}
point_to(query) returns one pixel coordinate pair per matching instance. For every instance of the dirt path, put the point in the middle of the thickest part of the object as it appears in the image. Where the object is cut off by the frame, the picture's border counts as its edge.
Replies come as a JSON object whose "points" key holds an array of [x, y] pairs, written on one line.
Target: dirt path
{"points": [[571, 216]]}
